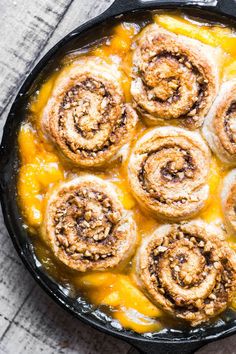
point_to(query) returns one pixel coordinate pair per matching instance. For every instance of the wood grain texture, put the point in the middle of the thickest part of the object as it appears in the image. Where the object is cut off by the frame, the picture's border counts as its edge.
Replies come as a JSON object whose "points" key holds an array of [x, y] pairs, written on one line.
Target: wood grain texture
{"points": [[30, 322], [25, 27]]}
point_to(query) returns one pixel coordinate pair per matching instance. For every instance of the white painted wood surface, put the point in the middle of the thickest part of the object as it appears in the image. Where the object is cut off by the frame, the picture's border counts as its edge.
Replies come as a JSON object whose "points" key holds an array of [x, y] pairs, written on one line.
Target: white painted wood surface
{"points": [[30, 322]]}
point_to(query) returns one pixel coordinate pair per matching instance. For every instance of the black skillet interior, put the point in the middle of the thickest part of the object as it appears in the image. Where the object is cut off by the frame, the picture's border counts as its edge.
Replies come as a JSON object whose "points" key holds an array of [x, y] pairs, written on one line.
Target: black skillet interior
{"points": [[184, 341]]}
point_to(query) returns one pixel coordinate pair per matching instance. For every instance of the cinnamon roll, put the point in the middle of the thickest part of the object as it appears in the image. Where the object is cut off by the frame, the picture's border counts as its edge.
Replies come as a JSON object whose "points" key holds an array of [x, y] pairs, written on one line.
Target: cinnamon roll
{"points": [[168, 172], [228, 198], [87, 117], [188, 270], [220, 125], [86, 226], [174, 77]]}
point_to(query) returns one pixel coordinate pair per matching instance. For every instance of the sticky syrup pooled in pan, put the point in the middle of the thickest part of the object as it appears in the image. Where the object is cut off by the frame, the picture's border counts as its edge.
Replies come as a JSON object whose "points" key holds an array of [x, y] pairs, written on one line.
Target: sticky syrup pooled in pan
{"points": [[114, 291]]}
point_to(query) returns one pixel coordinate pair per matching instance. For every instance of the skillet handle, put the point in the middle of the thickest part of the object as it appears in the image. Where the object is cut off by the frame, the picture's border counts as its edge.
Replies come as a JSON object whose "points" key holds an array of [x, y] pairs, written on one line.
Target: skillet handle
{"points": [[120, 6], [227, 7], [224, 7], [167, 348]]}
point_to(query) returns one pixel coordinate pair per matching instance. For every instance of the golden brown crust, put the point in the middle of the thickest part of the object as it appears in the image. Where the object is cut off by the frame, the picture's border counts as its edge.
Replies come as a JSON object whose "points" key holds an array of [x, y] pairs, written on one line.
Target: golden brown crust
{"points": [[188, 270], [86, 226], [87, 117], [168, 171], [228, 197], [173, 77], [220, 125]]}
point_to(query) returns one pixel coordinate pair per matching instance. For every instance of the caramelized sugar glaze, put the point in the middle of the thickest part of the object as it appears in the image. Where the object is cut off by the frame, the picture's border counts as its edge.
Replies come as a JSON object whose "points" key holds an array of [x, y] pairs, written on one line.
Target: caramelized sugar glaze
{"points": [[131, 179]]}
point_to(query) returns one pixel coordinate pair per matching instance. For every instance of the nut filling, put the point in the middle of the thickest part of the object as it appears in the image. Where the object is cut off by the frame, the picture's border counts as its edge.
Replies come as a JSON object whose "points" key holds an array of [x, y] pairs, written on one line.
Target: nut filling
{"points": [[188, 270], [172, 78], [168, 171], [87, 227], [87, 117]]}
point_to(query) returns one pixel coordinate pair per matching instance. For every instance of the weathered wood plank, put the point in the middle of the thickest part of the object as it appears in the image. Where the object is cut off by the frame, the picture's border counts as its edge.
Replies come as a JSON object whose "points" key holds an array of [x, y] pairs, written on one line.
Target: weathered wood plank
{"points": [[18, 341], [41, 321], [25, 27], [30, 322], [77, 15], [15, 282]]}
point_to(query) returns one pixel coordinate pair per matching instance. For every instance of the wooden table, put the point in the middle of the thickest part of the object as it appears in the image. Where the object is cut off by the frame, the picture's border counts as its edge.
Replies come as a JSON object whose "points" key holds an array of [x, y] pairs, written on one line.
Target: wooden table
{"points": [[30, 322]]}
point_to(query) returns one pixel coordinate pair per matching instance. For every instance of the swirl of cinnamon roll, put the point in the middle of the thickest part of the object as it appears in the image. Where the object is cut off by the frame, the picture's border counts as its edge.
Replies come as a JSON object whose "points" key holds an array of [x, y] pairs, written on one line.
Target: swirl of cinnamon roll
{"points": [[228, 198], [174, 77], [87, 117], [220, 125], [188, 270], [86, 226], [168, 172]]}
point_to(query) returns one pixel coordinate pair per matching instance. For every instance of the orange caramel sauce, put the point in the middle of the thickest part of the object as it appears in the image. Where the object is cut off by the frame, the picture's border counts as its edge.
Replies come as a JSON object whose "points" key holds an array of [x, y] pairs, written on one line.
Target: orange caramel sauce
{"points": [[42, 167]]}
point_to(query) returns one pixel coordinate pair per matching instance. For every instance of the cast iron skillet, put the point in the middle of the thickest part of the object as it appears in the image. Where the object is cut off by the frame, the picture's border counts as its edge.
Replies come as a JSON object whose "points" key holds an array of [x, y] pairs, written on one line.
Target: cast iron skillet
{"points": [[168, 341]]}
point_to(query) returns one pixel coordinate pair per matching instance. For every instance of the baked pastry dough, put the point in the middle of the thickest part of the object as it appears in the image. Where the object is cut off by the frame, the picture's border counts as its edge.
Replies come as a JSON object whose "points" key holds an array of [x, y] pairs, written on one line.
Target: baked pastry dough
{"points": [[87, 117], [228, 198], [220, 125], [174, 77], [188, 270], [168, 171], [86, 226]]}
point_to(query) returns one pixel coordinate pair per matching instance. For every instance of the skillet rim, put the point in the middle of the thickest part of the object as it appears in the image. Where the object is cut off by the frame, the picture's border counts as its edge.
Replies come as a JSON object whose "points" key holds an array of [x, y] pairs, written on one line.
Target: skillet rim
{"points": [[126, 335]]}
